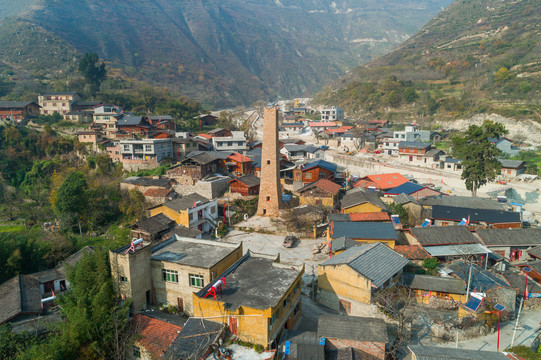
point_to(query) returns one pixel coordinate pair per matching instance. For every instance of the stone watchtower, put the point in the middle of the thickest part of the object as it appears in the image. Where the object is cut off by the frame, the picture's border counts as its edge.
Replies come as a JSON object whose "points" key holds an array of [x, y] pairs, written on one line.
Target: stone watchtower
{"points": [[270, 192]]}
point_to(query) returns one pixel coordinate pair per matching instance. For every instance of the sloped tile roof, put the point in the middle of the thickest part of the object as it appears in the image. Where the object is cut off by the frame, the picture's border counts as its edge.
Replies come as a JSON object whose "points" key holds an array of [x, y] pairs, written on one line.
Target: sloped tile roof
{"points": [[475, 215], [412, 252], [370, 216], [239, 158], [322, 123], [154, 224], [444, 235], [352, 328], [374, 261], [402, 199], [185, 202], [248, 180], [196, 337], [343, 243], [361, 196], [386, 181], [157, 192], [406, 188], [511, 164], [434, 283], [438, 353], [510, 237], [321, 163], [323, 184], [156, 336]]}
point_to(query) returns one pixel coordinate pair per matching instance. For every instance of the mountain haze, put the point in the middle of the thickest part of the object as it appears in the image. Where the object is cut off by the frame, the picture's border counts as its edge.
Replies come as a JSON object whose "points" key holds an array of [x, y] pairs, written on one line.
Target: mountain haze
{"points": [[221, 52]]}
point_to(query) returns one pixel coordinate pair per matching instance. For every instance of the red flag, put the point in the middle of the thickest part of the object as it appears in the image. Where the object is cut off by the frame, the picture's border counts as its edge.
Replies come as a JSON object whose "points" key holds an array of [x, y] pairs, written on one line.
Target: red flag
{"points": [[194, 204]]}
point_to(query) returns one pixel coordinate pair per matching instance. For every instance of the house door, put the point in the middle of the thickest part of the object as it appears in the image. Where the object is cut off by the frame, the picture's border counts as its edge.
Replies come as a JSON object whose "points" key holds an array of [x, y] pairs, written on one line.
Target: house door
{"points": [[149, 298], [180, 304], [62, 285], [233, 325], [411, 158]]}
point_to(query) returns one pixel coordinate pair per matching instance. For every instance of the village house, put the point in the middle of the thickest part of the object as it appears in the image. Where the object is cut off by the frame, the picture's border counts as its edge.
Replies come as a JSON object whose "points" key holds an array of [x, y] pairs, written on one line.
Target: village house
{"points": [[505, 146], [353, 278], [338, 132], [414, 253], [197, 340], [390, 146], [451, 165], [235, 142], [195, 166], [413, 152], [145, 152], [344, 336], [105, 118], [364, 232], [134, 125], [322, 192], [364, 216], [153, 228], [93, 138], [245, 185], [256, 285], [412, 134], [447, 242], [291, 128], [58, 102], [432, 157], [183, 146], [341, 244], [321, 126], [171, 271], [460, 201], [292, 119], [381, 182], [300, 345], [333, 113], [159, 196], [513, 244], [239, 164], [191, 211], [219, 132], [162, 122], [207, 120], [144, 183], [295, 152], [18, 110], [498, 219], [412, 207], [154, 337], [414, 190], [428, 287], [512, 168], [361, 201], [319, 169], [23, 295]]}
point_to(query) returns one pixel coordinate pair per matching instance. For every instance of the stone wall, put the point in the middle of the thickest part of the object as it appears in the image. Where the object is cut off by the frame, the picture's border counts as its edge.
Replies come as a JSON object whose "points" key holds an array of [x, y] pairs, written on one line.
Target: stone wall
{"points": [[210, 189]]}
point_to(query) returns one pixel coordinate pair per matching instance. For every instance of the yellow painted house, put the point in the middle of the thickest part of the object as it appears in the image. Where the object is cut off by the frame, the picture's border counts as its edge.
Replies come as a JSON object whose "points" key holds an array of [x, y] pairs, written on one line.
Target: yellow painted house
{"points": [[259, 297], [365, 232], [360, 200], [427, 287], [191, 211], [322, 192], [350, 279]]}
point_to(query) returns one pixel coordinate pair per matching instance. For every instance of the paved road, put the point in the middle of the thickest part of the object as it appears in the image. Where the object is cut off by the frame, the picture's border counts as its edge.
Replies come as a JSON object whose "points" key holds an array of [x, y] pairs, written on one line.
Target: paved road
{"points": [[529, 329]]}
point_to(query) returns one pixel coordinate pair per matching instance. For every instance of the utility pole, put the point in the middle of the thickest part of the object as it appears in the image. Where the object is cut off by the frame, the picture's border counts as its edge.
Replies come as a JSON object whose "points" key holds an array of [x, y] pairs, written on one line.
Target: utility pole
{"points": [[516, 323], [469, 283]]}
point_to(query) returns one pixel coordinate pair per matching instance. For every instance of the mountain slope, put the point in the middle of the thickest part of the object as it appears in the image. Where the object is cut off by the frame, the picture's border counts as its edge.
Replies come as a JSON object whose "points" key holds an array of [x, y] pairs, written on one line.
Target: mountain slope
{"points": [[475, 56], [230, 52]]}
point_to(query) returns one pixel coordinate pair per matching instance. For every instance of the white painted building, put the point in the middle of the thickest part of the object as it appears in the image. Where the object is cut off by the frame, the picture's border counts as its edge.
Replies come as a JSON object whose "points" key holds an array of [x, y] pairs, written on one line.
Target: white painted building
{"points": [[333, 113], [146, 149], [235, 142]]}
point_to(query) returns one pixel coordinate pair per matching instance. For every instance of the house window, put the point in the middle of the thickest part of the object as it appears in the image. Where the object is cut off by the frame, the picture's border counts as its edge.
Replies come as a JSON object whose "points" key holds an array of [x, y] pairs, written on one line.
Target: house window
{"points": [[286, 301], [125, 147], [273, 319], [240, 143], [322, 175], [296, 288], [230, 143], [191, 216], [136, 352], [123, 279], [170, 275], [297, 308], [148, 147], [196, 281], [308, 176]]}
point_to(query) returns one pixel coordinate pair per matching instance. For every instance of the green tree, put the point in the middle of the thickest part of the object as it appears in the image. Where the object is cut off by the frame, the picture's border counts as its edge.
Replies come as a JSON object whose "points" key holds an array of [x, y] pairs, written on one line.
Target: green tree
{"points": [[478, 154], [93, 71], [398, 209], [71, 198], [502, 75]]}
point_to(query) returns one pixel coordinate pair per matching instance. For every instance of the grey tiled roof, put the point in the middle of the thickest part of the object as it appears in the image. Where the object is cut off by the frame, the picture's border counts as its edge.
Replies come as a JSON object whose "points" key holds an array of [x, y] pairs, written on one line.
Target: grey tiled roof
{"points": [[147, 181], [437, 353], [375, 261], [303, 345], [129, 120], [536, 251], [511, 164], [154, 224], [481, 280], [402, 199], [361, 196], [15, 104], [434, 283], [194, 339], [443, 235], [185, 202], [249, 180], [475, 215], [461, 201], [509, 237], [352, 328], [343, 243]]}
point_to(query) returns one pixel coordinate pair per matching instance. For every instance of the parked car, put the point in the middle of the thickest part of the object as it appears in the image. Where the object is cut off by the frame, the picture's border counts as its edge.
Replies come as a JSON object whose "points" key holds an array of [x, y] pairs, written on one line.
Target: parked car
{"points": [[289, 241]]}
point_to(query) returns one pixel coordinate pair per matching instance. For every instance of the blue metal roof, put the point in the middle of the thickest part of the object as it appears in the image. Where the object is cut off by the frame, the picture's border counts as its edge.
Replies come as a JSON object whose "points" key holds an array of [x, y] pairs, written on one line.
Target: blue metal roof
{"points": [[321, 163], [406, 188]]}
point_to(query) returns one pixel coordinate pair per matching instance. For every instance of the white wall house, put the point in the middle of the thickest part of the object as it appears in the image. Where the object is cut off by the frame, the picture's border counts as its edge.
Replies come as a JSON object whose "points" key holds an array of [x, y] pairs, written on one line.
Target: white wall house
{"points": [[236, 142]]}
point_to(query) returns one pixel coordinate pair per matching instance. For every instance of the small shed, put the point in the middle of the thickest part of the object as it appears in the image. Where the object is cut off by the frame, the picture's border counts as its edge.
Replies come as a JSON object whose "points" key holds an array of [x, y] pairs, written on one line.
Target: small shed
{"points": [[245, 185]]}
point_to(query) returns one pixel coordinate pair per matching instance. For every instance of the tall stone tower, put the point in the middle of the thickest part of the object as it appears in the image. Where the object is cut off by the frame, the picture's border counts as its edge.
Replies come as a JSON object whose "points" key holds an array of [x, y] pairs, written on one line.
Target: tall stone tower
{"points": [[270, 192]]}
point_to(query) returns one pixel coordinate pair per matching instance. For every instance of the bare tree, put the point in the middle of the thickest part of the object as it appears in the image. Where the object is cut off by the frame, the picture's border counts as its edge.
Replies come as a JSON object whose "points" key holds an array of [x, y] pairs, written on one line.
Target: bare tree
{"points": [[359, 138]]}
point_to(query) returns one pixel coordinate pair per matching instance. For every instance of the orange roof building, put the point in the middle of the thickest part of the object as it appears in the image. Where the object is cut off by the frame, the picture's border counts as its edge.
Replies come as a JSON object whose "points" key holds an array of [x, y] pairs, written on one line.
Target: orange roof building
{"points": [[155, 336], [381, 181], [370, 216]]}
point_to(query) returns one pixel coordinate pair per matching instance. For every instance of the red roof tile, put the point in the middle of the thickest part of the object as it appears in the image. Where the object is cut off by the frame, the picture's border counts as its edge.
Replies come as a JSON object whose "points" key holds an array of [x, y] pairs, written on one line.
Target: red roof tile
{"points": [[322, 123], [157, 192], [340, 130], [205, 136], [412, 252], [156, 336], [371, 216], [326, 185], [239, 158], [384, 181]]}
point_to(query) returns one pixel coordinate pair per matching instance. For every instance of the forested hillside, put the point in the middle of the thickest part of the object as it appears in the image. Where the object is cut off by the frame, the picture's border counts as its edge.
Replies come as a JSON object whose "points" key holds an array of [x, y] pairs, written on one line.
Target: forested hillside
{"points": [[476, 56], [221, 53]]}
